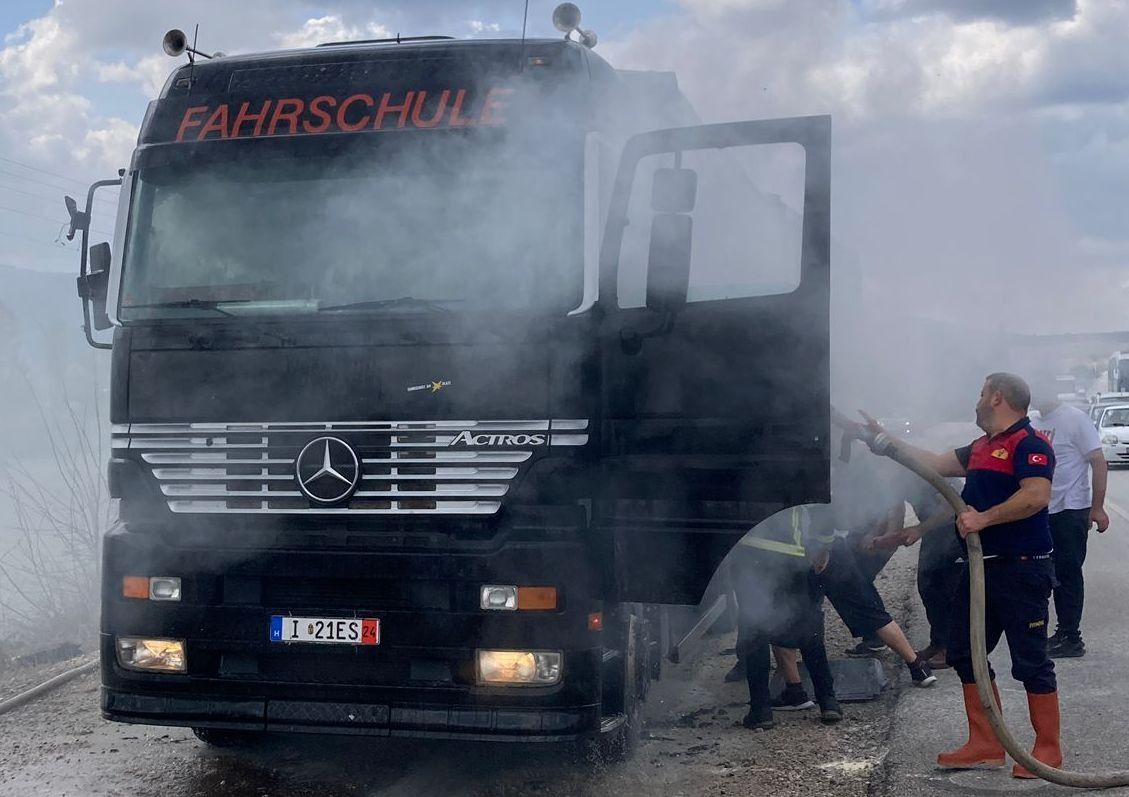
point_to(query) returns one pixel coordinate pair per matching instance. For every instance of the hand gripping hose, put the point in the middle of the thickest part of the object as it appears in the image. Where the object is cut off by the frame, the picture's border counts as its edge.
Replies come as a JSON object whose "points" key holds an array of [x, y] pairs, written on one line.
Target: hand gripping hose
{"points": [[885, 446]]}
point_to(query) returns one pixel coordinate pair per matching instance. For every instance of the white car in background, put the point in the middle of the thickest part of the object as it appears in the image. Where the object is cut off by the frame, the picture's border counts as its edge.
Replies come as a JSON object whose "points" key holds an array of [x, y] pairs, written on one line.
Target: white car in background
{"points": [[1113, 429]]}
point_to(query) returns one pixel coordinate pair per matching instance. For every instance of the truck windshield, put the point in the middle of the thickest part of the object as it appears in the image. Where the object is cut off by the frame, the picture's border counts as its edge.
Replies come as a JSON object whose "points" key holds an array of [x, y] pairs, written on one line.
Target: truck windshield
{"points": [[414, 223]]}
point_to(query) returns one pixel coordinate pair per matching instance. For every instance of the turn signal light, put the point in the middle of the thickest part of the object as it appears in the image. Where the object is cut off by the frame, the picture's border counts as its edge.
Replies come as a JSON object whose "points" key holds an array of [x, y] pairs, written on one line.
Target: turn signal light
{"points": [[135, 587], [536, 598]]}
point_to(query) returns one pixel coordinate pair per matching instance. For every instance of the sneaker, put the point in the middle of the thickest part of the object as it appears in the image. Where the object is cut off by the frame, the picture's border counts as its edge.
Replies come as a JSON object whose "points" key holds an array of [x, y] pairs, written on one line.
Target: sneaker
{"points": [[921, 674], [866, 648], [1069, 648], [759, 720], [736, 673], [1055, 640], [793, 698], [829, 711]]}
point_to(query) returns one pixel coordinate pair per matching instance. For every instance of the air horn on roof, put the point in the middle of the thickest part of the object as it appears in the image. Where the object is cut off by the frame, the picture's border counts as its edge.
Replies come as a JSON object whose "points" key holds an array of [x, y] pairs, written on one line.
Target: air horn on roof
{"points": [[566, 19]]}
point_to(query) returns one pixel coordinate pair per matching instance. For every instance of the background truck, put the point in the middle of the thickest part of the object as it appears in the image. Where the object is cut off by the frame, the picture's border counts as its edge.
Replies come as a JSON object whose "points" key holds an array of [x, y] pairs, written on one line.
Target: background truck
{"points": [[434, 365]]}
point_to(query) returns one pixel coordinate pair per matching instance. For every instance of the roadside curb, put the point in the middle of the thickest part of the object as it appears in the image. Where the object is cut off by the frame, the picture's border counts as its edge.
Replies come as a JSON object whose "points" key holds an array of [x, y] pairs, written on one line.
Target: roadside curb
{"points": [[12, 703], [911, 616]]}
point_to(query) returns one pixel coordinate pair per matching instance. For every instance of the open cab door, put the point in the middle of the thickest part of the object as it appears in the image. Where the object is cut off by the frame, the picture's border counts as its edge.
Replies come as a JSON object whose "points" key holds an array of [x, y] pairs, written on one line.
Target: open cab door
{"points": [[715, 405]]}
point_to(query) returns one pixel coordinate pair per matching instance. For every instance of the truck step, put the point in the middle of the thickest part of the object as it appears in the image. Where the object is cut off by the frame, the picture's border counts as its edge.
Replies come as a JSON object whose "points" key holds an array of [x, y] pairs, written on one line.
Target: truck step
{"points": [[612, 722]]}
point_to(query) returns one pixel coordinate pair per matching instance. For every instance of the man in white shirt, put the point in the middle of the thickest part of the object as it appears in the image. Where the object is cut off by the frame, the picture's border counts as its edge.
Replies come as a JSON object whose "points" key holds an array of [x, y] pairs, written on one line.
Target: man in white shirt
{"points": [[1077, 502]]}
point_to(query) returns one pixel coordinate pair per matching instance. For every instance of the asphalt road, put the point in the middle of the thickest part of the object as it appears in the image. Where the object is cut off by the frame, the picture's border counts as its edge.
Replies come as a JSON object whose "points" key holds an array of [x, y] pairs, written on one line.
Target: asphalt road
{"points": [[1093, 691]]}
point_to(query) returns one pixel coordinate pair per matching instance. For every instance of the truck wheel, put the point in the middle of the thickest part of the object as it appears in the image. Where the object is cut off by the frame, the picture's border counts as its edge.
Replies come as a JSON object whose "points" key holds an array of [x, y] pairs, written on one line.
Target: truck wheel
{"points": [[221, 737]]}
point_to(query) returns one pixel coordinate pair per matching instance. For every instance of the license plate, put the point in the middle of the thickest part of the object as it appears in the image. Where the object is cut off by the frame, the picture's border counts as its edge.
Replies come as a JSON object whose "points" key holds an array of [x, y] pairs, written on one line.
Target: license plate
{"points": [[325, 630]]}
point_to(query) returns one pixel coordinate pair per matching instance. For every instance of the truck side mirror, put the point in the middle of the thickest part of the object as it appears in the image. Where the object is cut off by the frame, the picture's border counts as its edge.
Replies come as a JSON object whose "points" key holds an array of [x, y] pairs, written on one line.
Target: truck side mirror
{"points": [[674, 190], [668, 263], [92, 285], [674, 193], [79, 220]]}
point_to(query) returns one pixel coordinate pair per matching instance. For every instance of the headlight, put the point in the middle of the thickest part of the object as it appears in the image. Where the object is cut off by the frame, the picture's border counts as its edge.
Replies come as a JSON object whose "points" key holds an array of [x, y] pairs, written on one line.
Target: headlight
{"points": [[499, 598], [519, 667], [1109, 439], [152, 655], [164, 588]]}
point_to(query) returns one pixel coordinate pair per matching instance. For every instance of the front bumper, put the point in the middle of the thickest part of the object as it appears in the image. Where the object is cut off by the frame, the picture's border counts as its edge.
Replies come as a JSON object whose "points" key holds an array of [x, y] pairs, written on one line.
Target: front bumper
{"points": [[419, 681], [373, 719], [1116, 454]]}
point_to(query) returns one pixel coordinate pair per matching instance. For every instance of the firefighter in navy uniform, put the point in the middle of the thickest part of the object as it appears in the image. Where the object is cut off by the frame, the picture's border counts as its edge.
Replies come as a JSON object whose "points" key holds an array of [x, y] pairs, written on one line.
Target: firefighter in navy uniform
{"points": [[1008, 488], [780, 603]]}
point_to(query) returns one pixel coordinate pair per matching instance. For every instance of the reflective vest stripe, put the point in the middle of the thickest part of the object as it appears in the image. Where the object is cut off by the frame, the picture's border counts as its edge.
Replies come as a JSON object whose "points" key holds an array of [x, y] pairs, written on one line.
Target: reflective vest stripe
{"points": [[794, 548]]}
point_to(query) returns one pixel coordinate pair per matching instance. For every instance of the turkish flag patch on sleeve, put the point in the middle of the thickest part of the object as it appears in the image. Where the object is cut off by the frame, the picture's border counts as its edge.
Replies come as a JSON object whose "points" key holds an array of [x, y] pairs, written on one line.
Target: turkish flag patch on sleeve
{"points": [[1037, 459]]}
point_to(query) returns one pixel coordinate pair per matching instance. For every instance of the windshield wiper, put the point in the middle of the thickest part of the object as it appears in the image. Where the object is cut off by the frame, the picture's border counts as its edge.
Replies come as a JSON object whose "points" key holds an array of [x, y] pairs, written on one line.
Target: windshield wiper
{"points": [[214, 305], [378, 304], [198, 304]]}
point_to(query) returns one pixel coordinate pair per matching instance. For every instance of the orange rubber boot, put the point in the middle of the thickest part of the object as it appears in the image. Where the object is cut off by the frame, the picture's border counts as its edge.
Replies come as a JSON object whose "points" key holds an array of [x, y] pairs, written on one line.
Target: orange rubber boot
{"points": [[1045, 721], [982, 750]]}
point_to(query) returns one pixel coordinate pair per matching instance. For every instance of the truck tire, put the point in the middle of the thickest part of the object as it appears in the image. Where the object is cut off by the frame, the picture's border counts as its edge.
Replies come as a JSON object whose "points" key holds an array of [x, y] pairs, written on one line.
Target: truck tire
{"points": [[222, 737]]}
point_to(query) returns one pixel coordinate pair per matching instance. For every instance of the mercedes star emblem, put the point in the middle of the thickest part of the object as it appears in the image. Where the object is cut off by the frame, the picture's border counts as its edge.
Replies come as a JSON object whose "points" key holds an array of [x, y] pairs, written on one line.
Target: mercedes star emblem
{"points": [[328, 470]]}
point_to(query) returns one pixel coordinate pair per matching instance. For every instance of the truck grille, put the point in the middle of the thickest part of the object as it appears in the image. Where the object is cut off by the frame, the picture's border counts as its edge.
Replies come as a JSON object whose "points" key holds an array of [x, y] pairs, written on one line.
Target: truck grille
{"points": [[406, 467]]}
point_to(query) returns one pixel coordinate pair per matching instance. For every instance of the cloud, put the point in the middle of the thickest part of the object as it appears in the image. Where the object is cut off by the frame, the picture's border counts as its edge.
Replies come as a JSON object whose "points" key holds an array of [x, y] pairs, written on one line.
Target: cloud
{"points": [[477, 26], [330, 28], [49, 68], [105, 144], [1015, 12]]}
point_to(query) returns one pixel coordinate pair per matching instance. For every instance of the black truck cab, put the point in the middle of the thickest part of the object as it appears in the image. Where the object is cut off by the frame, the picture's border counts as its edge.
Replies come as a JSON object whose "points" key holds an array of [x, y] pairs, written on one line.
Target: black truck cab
{"points": [[434, 364]]}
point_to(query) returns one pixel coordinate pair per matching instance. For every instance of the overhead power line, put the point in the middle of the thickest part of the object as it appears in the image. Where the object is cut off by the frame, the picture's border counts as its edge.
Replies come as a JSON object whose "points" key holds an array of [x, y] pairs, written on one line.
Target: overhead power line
{"points": [[100, 197], [54, 199], [47, 218], [44, 171], [59, 248]]}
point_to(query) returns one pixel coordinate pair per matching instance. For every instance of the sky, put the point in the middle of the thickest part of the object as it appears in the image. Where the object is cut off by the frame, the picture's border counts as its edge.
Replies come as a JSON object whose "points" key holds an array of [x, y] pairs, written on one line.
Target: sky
{"points": [[981, 147]]}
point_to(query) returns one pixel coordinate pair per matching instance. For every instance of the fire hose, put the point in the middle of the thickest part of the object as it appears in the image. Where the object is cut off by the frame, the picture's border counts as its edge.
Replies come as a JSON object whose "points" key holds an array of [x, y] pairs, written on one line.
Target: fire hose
{"points": [[888, 447]]}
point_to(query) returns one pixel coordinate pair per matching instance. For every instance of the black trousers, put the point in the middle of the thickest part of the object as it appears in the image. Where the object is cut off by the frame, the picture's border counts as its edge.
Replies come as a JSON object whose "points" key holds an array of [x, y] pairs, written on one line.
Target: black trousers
{"points": [[938, 574], [778, 602], [936, 586], [852, 592], [757, 657], [1017, 595], [1070, 530]]}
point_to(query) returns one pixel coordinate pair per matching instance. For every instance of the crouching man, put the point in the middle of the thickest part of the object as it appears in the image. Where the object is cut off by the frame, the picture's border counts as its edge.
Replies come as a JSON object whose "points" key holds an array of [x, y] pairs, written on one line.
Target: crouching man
{"points": [[780, 603]]}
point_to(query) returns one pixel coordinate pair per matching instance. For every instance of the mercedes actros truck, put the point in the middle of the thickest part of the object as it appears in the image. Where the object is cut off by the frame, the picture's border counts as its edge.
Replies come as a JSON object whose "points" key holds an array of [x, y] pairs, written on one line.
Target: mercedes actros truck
{"points": [[436, 364]]}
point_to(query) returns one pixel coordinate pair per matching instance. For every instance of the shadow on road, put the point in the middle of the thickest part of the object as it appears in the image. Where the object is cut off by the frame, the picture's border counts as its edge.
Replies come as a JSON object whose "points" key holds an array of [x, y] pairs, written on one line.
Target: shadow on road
{"points": [[331, 766]]}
